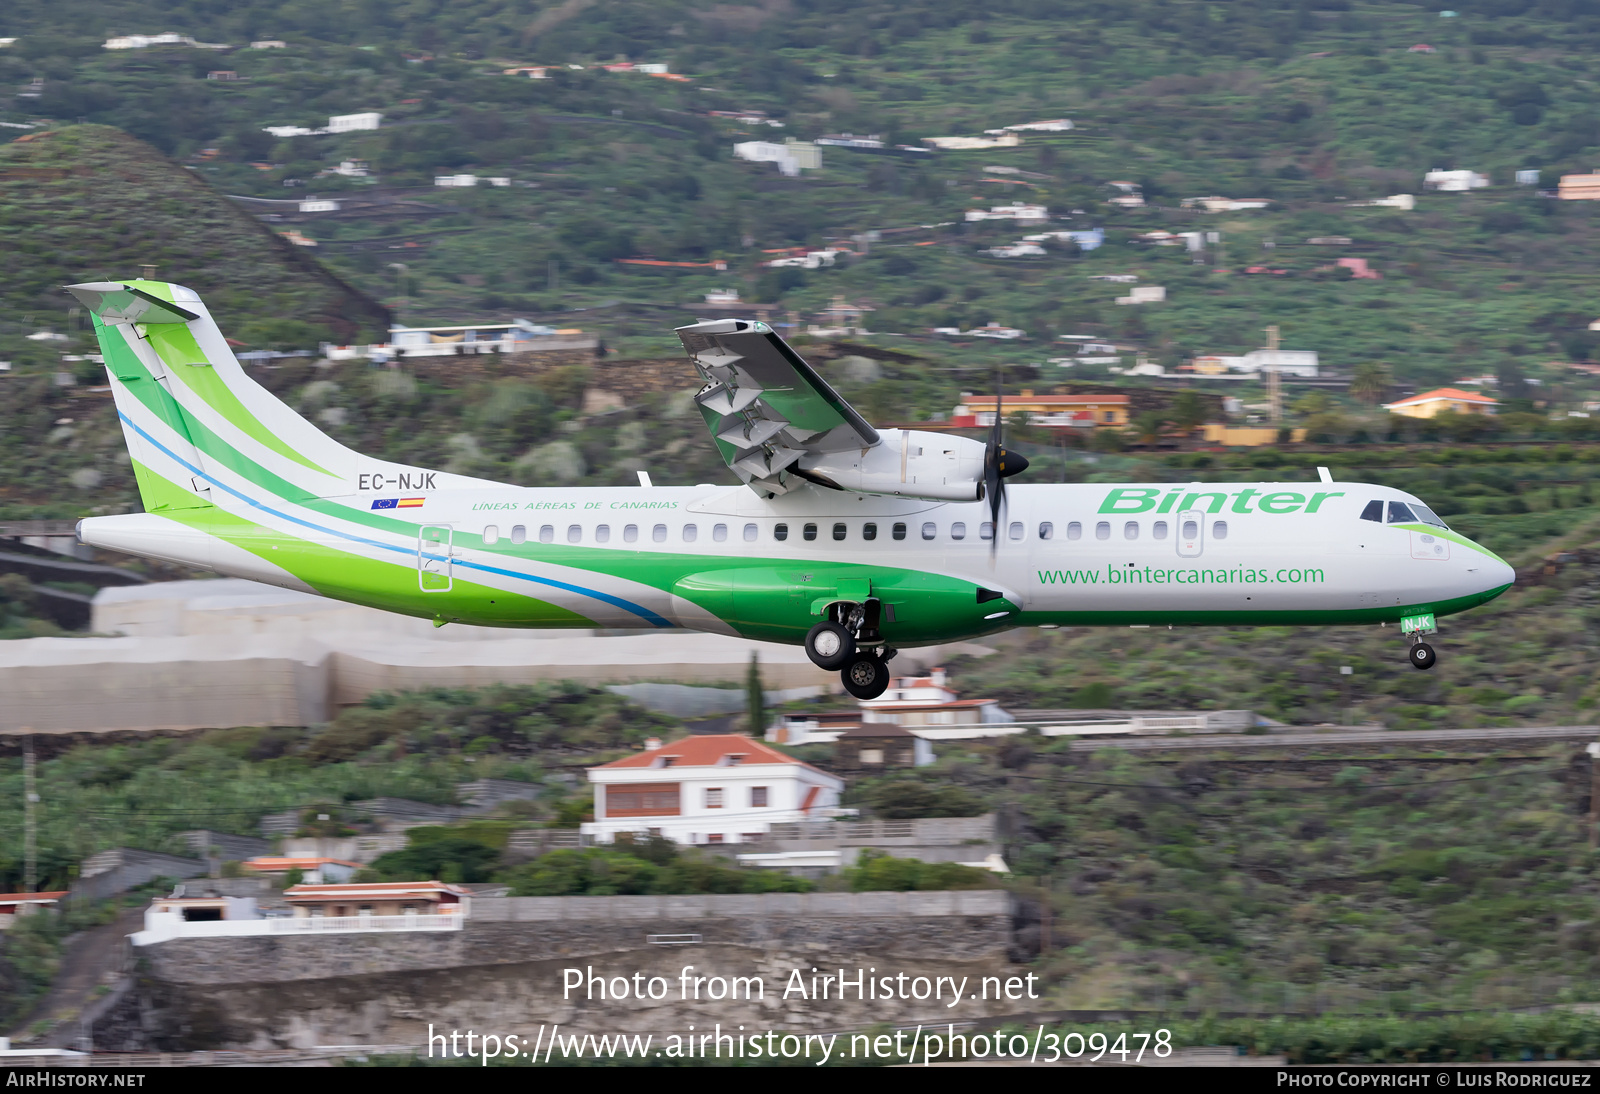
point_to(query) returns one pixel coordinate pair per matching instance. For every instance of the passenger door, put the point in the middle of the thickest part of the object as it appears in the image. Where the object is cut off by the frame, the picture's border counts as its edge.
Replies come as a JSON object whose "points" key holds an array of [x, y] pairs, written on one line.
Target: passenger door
{"points": [[434, 571]]}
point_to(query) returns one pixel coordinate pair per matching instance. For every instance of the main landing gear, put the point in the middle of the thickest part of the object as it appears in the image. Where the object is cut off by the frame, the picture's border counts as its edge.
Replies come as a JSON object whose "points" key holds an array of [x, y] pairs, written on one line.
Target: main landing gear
{"points": [[849, 641]]}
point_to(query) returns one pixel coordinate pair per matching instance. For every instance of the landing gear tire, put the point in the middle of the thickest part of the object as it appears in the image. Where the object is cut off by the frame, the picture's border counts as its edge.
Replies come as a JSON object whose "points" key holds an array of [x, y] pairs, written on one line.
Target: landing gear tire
{"points": [[1422, 656], [865, 676], [830, 646]]}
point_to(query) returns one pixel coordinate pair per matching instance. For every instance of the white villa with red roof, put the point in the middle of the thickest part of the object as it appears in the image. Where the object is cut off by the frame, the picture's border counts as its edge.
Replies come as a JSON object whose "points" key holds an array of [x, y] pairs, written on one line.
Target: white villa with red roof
{"points": [[709, 789]]}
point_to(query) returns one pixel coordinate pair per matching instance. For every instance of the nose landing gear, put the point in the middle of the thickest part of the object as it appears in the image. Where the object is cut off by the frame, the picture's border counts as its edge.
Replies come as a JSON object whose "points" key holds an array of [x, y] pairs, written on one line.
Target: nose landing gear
{"points": [[1417, 627], [849, 641]]}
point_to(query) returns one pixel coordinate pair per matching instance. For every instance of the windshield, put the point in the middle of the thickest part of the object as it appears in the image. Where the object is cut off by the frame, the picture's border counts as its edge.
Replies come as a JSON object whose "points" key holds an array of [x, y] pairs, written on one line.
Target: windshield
{"points": [[1428, 516]]}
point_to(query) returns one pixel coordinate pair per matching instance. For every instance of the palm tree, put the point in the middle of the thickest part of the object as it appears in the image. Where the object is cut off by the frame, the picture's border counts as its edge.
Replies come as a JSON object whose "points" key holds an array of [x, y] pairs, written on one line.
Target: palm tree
{"points": [[1370, 381]]}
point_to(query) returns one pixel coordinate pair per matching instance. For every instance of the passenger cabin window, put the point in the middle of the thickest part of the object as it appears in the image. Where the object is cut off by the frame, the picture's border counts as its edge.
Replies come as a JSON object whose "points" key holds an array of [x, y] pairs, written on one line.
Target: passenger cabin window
{"points": [[691, 532], [1130, 530], [491, 535], [1016, 529], [1219, 530], [719, 533], [519, 533], [899, 531], [1159, 529], [808, 533], [1400, 513], [659, 533], [574, 533], [1102, 530], [869, 532], [547, 533], [929, 530], [602, 533], [1191, 530], [958, 530], [1373, 511], [839, 531], [1075, 530], [780, 532], [1046, 530], [751, 532], [985, 530], [630, 533]]}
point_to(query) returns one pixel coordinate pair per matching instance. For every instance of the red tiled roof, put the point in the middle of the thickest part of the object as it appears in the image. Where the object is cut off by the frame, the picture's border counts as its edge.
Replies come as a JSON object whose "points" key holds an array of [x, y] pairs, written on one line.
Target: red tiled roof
{"points": [[704, 751], [22, 898], [1454, 393]]}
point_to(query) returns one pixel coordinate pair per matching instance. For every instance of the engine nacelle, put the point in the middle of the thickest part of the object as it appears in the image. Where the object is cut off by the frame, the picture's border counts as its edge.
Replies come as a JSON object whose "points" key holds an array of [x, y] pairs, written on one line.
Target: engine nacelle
{"points": [[906, 463]]}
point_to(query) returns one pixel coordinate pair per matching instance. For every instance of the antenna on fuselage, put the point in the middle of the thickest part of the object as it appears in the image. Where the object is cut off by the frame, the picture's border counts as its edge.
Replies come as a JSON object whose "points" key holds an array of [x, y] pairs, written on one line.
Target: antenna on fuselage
{"points": [[1324, 475], [644, 479]]}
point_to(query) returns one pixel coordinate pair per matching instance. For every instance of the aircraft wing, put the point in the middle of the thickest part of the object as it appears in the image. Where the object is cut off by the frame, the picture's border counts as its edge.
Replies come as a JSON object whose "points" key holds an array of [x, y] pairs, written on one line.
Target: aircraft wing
{"points": [[766, 408]]}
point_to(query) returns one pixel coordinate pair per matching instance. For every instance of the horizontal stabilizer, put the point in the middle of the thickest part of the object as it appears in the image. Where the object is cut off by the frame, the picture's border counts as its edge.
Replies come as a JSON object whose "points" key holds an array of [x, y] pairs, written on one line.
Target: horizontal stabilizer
{"points": [[116, 303]]}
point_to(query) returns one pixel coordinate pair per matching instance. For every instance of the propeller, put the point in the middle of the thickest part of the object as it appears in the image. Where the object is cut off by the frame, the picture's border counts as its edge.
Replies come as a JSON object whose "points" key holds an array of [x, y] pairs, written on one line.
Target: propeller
{"points": [[998, 466]]}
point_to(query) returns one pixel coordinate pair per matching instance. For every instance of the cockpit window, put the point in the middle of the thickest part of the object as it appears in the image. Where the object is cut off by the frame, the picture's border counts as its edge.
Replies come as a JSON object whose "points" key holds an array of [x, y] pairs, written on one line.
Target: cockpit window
{"points": [[1429, 516], [1400, 513], [1373, 511]]}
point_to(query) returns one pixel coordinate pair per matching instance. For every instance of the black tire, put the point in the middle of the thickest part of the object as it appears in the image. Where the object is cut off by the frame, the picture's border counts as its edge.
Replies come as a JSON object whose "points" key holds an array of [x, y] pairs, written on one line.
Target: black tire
{"points": [[830, 646], [865, 676], [1423, 657]]}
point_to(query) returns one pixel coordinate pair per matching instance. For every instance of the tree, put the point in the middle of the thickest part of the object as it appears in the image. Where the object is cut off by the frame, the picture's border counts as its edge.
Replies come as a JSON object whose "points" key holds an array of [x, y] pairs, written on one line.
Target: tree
{"points": [[755, 696], [1188, 411], [1370, 382]]}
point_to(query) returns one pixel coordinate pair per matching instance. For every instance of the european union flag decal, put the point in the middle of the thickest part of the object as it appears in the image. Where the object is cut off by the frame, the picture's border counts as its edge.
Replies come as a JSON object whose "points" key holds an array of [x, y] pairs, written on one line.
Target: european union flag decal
{"points": [[386, 503]]}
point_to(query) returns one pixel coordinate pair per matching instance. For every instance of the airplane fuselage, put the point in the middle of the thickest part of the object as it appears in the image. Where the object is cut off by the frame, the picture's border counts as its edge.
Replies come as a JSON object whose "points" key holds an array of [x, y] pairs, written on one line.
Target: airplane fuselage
{"points": [[723, 559]]}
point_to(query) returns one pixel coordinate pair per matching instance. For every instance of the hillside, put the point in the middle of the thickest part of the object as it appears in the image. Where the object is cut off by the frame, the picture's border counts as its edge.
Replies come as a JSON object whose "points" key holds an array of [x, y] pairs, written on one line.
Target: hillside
{"points": [[88, 202]]}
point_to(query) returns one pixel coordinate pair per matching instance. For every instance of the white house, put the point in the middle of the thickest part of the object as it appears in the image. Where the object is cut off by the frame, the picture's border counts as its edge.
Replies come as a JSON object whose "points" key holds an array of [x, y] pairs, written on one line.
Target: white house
{"points": [[319, 205], [1144, 294], [351, 123], [710, 789], [971, 144], [455, 180], [1016, 210], [930, 708], [1454, 180], [285, 131], [1024, 249], [1053, 125], [792, 156]]}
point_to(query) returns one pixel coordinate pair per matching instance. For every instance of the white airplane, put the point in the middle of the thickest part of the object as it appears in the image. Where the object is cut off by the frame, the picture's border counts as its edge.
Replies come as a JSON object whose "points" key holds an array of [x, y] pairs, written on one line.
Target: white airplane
{"points": [[848, 539]]}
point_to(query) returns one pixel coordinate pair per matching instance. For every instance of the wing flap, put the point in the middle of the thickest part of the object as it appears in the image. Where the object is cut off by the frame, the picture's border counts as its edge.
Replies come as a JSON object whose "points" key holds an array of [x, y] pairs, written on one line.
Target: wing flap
{"points": [[765, 406]]}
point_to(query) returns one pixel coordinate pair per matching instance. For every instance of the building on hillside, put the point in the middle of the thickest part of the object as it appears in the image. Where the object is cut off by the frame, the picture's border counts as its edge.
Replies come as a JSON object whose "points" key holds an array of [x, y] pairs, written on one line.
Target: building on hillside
{"points": [[1052, 125], [1143, 294], [792, 156], [1287, 362], [145, 41], [354, 123], [1422, 47], [929, 707], [1058, 411], [351, 169], [455, 181], [1580, 187], [1022, 249], [283, 132], [1430, 404], [371, 899], [13, 905], [870, 143], [1454, 181], [1089, 240], [532, 72], [971, 144], [224, 75], [711, 789], [1359, 270], [269, 43], [1528, 176], [319, 205], [314, 871], [840, 318], [203, 909], [879, 746], [298, 238], [1018, 211], [1215, 204]]}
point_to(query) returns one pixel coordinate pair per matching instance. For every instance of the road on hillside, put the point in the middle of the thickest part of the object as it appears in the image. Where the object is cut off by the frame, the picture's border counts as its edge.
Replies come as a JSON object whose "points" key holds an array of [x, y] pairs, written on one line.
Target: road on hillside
{"points": [[1337, 737]]}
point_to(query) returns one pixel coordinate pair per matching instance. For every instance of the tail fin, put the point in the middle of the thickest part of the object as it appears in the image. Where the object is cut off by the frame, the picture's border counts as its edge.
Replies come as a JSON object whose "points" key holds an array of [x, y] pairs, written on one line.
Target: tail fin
{"points": [[200, 431]]}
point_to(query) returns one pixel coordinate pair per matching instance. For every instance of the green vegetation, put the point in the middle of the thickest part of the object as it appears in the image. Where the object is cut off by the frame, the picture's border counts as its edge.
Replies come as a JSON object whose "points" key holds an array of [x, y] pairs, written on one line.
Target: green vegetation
{"points": [[654, 866], [875, 870]]}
